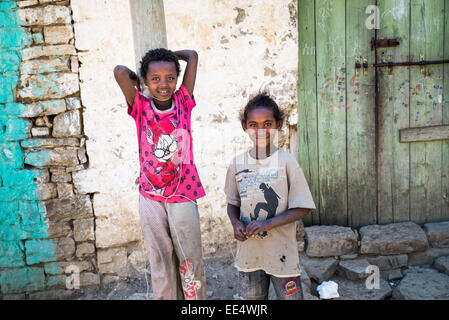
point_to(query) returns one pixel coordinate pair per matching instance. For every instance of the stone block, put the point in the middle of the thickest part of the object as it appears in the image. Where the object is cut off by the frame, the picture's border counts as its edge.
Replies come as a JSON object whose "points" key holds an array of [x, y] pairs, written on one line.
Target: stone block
{"points": [[45, 15], [48, 86], [423, 284], [319, 269], [54, 64], [40, 131], [438, 234], [50, 142], [59, 229], [47, 191], [84, 230], [138, 259], [19, 280], [61, 177], [75, 266], [67, 124], [442, 264], [27, 3], [11, 254], [48, 51], [395, 238], [38, 251], [112, 261], [42, 108], [61, 210], [51, 157], [55, 281], [58, 34], [426, 257], [89, 279], [65, 190], [14, 129], [73, 103], [85, 250], [353, 269], [330, 241], [389, 262], [64, 248]]}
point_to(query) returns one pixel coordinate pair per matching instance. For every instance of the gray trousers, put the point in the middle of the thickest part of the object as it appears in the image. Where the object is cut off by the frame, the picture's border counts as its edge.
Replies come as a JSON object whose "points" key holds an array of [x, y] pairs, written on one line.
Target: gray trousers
{"points": [[255, 286], [173, 240]]}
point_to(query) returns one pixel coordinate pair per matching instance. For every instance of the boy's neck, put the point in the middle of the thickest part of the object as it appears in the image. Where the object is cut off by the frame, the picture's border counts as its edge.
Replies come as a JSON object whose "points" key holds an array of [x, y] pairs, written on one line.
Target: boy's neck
{"points": [[259, 153]]}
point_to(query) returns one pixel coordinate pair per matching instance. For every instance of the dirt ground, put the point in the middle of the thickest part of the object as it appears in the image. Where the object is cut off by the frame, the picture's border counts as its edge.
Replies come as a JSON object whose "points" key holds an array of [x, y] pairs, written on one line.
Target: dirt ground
{"points": [[221, 279]]}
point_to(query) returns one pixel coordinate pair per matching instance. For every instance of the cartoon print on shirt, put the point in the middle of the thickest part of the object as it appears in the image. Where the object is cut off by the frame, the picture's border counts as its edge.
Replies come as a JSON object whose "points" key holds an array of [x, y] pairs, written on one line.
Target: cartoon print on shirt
{"points": [[163, 146]]}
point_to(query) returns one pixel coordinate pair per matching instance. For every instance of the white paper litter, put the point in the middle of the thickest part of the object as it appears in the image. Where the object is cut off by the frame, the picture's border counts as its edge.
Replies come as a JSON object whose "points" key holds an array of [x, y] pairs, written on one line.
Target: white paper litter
{"points": [[328, 290]]}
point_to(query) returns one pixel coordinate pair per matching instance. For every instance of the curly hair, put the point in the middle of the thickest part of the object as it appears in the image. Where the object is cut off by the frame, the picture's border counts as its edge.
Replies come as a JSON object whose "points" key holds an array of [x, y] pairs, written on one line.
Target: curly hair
{"points": [[159, 54], [264, 100]]}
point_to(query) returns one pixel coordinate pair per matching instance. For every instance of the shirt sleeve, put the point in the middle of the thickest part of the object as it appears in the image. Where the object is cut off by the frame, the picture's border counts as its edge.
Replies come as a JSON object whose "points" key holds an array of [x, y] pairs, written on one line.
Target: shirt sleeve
{"points": [[134, 110], [299, 195], [185, 98], [231, 190]]}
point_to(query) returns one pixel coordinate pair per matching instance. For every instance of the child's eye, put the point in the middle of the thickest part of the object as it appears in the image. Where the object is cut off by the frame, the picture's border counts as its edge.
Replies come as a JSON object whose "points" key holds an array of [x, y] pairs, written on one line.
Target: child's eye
{"points": [[171, 78], [268, 124], [155, 79]]}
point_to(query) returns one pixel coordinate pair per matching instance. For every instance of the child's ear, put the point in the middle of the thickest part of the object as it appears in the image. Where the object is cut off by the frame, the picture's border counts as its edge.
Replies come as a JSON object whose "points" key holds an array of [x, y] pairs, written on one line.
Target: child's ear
{"points": [[279, 124], [244, 126]]}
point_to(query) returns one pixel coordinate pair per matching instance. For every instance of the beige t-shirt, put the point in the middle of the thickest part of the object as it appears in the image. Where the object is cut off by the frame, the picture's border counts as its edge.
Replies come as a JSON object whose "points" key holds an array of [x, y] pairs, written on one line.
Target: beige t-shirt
{"points": [[262, 189]]}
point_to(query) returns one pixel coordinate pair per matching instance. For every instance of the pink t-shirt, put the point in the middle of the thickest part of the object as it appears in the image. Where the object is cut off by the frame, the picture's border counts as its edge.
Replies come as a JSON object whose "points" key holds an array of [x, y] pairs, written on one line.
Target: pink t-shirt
{"points": [[167, 170]]}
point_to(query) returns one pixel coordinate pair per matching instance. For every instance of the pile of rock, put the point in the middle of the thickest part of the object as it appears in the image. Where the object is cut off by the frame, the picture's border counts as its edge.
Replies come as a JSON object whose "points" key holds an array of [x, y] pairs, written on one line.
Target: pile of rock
{"points": [[411, 262]]}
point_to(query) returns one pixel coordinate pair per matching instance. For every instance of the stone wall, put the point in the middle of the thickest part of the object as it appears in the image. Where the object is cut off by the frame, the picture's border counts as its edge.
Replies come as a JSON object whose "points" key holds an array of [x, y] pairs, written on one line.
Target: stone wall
{"points": [[46, 225]]}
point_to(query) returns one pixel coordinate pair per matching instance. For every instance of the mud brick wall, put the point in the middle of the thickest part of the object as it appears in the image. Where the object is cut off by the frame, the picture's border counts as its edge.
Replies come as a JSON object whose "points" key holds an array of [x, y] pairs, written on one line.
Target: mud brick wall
{"points": [[45, 223]]}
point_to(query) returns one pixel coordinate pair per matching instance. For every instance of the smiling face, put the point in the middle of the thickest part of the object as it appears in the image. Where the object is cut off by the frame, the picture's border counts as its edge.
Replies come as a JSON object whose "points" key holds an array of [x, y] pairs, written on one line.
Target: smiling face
{"points": [[261, 126], [161, 80]]}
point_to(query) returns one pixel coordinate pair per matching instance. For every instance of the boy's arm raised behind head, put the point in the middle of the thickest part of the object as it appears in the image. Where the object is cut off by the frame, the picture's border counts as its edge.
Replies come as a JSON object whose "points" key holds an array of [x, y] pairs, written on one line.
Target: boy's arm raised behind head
{"points": [[191, 57], [128, 82]]}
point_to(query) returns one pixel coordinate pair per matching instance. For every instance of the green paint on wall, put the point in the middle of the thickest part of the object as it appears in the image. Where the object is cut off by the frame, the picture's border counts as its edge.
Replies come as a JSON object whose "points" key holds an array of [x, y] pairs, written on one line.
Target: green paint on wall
{"points": [[24, 238]]}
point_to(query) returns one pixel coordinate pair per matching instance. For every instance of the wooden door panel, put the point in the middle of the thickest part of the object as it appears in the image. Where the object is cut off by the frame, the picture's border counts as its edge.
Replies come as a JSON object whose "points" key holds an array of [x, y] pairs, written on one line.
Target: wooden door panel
{"points": [[426, 101], [393, 114], [360, 120]]}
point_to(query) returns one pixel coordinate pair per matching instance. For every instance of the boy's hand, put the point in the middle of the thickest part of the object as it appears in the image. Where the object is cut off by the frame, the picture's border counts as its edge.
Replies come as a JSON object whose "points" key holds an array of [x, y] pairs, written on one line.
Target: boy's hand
{"points": [[254, 227], [239, 231]]}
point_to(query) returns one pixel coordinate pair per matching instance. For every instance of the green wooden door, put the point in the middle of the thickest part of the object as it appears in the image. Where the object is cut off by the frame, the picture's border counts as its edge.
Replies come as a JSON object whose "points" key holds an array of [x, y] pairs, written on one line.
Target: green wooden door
{"points": [[351, 119]]}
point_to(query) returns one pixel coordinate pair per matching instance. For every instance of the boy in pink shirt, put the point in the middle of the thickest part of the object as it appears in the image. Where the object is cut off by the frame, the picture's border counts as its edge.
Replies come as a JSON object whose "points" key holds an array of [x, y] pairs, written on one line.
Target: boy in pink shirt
{"points": [[169, 182]]}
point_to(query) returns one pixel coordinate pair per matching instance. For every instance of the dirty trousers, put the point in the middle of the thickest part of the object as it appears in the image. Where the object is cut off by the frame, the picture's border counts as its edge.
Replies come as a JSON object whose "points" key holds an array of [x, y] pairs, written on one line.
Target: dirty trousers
{"points": [[172, 237]]}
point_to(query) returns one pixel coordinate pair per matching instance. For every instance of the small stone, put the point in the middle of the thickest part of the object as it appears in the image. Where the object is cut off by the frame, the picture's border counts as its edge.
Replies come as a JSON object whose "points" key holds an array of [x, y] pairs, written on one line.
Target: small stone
{"points": [[61, 210], [64, 248], [85, 250], [59, 229], [438, 234], [65, 190], [112, 261], [389, 262], [354, 269], [73, 103], [330, 241], [426, 257], [51, 157], [82, 155], [67, 124], [442, 264], [319, 269], [58, 34], [349, 256], [395, 274], [42, 108], [40, 131], [84, 230], [89, 279], [358, 290], [45, 15], [51, 85], [61, 177]]}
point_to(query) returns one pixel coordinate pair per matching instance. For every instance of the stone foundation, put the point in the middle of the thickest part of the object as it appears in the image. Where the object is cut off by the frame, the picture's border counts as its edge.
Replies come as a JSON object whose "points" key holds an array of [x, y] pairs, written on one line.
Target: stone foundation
{"points": [[404, 251]]}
